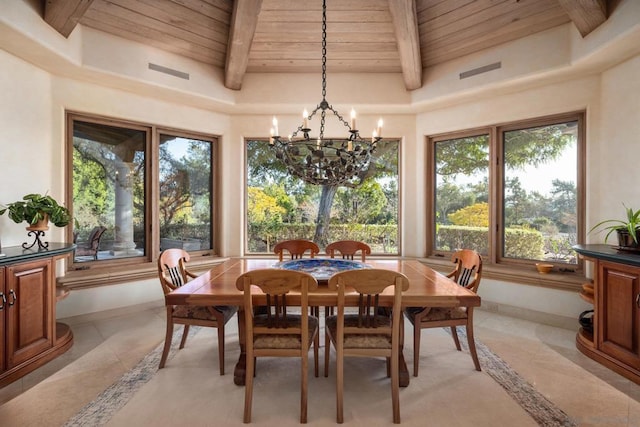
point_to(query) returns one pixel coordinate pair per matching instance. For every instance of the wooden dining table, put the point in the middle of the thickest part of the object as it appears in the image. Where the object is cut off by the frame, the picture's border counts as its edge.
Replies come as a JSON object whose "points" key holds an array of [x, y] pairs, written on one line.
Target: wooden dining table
{"points": [[427, 288]]}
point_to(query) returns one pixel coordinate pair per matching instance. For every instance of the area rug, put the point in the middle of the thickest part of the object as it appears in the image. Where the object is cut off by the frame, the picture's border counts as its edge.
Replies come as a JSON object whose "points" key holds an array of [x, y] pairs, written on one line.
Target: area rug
{"points": [[105, 407]]}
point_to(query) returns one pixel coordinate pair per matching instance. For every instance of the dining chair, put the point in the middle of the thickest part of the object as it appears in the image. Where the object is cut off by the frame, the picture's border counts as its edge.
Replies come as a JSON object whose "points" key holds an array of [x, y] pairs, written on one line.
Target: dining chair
{"points": [[278, 332], [348, 249], [467, 273], [92, 245], [173, 273], [296, 248], [372, 332]]}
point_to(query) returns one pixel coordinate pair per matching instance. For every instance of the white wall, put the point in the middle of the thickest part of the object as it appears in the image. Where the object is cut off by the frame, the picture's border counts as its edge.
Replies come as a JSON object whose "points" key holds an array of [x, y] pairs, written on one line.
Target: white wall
{"points": [[618, 146], [30, 159]]}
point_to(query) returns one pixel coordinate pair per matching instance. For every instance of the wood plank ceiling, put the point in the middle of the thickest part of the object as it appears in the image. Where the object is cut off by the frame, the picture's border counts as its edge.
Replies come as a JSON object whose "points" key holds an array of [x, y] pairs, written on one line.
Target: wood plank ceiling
{"points": [[284, 36]]}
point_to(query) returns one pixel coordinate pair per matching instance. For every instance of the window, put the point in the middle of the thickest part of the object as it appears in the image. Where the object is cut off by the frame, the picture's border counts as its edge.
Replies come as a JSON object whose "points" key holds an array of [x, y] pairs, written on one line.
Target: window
{"points": [[133, 179], [462, 193], [185, 204], [280, 206], [511, 192]]}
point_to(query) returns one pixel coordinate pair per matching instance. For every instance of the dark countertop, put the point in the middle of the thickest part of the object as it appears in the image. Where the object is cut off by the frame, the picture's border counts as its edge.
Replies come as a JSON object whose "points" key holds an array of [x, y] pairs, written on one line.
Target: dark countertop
{"points": [[14, 254], [609, 253]]}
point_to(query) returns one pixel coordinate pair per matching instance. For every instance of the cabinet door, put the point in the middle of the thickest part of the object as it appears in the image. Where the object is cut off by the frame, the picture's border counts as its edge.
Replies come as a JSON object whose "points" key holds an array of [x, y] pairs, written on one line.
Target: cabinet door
{"points": [[618, 303], [29, 310], [3, 310]]}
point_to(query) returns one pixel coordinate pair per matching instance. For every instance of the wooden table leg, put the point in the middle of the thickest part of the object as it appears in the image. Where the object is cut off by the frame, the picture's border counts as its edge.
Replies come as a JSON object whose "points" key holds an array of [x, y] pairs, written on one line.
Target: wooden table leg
{"points": [[239, 371], [403, 375]]}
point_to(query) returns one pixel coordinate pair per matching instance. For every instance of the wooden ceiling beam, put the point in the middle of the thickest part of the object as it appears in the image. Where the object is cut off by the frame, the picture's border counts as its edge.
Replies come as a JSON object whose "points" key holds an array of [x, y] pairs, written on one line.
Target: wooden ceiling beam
{"points": [[64, 15], [405, 22], [243, 27], [586, 15]]}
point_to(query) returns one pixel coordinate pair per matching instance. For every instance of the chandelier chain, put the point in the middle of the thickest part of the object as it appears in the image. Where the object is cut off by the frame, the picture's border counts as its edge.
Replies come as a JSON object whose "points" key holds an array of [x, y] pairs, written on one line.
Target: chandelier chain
{"points": [[324, 70], [332, 161]]}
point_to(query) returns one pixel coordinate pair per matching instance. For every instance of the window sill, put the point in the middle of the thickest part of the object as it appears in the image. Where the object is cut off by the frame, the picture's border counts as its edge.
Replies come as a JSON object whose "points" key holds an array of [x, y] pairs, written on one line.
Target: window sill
{"points": [[115, 274], [527, 275]]}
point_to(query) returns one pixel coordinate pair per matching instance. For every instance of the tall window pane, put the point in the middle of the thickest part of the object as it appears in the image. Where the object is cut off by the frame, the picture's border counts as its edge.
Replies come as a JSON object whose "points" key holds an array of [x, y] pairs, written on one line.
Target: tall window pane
{"points": [[108, 191], [185, 193], [462, 194], [540, 192], [281, 206]]}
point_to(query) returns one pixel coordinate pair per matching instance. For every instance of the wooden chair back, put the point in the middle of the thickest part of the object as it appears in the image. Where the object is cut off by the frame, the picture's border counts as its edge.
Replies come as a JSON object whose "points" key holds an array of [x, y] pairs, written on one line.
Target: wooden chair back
{"points": [[348, 249], [372, 331], [296, 248], [278, 332], [172, 269], [468, 269]]}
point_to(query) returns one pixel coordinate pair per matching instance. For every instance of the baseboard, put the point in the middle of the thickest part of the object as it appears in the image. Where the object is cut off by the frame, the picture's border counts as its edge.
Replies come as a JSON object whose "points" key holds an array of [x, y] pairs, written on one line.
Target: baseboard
{"points": [[530, 315], [115, 312]]}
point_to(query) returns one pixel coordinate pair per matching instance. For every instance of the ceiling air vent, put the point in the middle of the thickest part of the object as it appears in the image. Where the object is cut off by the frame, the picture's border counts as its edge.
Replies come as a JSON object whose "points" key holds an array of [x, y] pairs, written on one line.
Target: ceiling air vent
{"points": [[166, 70], [480, 70]]}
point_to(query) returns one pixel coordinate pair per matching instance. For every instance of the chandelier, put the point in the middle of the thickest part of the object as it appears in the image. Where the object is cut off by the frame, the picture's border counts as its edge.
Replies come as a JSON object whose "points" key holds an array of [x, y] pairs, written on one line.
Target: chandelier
{"points": [[325, 161]]}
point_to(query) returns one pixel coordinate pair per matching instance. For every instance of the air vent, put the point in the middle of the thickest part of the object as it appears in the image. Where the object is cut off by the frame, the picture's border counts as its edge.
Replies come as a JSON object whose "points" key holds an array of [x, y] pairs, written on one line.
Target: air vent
{"points": [[480, 70], [166, 70]]}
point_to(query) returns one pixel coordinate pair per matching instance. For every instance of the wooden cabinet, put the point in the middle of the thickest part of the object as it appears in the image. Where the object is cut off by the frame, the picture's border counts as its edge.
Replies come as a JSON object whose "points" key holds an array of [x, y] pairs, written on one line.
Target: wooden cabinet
{"points": [[619, 321], [3, 307], [615, 341], [29, 334], [29, 326]]}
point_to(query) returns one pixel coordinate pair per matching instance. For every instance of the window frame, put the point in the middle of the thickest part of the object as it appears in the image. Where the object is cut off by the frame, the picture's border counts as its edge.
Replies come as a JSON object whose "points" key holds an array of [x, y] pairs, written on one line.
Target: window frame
{"points": [[495, 265], [92, 273]]}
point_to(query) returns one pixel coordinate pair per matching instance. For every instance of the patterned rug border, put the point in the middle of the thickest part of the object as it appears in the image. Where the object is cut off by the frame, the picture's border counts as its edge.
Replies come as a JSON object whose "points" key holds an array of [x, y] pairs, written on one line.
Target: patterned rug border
{"points": [[541, 409], [106, 404], [99, 411]]}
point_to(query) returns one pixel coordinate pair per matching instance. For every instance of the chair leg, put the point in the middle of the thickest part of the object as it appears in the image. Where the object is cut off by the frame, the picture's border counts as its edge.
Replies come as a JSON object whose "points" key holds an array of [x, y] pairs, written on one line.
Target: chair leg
{"points": [[167, 339], [454, 334], [416, 347], [185, 334], [327, 345], [472, 343], [221, 347], [339, 386], [303, 386], [248, 386], [316, 346], [395, 386]]}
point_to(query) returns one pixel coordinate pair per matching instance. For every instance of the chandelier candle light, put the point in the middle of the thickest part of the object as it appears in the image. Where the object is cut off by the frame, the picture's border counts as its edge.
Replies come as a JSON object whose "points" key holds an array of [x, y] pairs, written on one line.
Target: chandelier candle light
{"points": [[325, 161]]}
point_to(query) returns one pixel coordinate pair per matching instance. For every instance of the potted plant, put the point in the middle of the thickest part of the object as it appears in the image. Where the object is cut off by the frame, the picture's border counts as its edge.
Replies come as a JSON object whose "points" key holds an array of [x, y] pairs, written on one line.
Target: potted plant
{"points": [[627, 230], [37, 210]]}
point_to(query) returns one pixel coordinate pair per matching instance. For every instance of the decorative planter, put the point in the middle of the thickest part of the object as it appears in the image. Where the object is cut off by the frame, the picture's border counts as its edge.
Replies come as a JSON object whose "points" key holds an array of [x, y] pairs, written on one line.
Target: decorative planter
{"points": [[625, 240], [41, 225]]}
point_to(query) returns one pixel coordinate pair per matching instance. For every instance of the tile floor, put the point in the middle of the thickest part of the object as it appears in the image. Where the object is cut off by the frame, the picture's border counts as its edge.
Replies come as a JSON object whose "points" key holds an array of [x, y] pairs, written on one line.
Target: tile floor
{"points": [[108, 344]]}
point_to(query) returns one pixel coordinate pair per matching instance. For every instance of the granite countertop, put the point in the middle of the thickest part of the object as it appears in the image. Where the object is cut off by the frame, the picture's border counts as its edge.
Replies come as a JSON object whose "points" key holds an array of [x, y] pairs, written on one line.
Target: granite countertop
{"points": [[609, 253], [11, 254]]}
